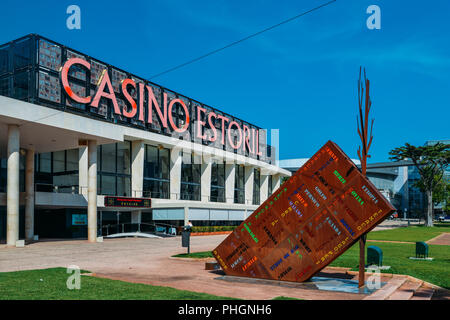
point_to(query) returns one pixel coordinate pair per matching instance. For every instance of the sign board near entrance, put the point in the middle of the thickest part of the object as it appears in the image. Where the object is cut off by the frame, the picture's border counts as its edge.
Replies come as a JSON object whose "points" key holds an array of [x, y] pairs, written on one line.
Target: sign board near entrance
{"points": [[79, 219], [312, 219], [125, 202]]}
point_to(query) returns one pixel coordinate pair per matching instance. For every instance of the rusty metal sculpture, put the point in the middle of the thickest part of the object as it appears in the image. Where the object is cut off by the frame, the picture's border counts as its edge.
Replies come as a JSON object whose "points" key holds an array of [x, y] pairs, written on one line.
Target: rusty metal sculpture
{"points": [[362, 127], [314, 217]]}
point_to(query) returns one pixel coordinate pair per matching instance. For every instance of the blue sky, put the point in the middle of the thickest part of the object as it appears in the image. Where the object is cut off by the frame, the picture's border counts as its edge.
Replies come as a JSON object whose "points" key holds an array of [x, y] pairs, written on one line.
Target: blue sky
{"points": [[300, 78]]}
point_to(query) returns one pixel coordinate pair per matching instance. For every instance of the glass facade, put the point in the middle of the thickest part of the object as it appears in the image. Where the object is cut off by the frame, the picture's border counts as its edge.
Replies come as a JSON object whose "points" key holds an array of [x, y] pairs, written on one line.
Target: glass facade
{"points": [[30, 71], [417, 200], [57, 171], [190, 177], [270, 187], [256, 186], [4, 175], [217, 181], [156, 172], [114, 169], [239, 184]]}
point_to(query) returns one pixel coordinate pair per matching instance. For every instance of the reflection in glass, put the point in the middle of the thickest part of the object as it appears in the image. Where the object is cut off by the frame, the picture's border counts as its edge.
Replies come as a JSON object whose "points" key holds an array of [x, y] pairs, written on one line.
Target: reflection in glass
{"points": [[256, 186], [108, 155], [239, 184], [190, 178], [217, 181], [156, 172], [123, 157], [58, 161]]}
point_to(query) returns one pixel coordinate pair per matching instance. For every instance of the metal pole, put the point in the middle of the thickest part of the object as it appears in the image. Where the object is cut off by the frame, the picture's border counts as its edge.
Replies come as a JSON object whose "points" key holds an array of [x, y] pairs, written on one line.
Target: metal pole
{"points": [[362, 129]]}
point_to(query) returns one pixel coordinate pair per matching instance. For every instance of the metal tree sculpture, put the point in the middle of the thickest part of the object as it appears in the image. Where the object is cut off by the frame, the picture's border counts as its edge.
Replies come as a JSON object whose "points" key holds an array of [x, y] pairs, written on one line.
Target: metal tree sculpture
{"points": [[362, 126]]}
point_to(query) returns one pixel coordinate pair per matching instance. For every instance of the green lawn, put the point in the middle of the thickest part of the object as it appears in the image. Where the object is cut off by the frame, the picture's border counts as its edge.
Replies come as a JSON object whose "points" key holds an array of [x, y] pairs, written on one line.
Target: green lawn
{"points": [[397, 256], [409, 234], [197, 255], [50, 284]]}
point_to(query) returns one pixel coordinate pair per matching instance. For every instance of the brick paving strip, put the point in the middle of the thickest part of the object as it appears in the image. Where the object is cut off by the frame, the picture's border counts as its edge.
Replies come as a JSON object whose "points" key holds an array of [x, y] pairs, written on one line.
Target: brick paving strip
{"points": [[442, 239], [390, 241]]}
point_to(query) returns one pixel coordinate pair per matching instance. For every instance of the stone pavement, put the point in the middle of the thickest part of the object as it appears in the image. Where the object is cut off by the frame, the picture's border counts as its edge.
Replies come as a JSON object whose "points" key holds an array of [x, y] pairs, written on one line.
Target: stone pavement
{"points": [[442, 239], [144, 260], [396, 223]]}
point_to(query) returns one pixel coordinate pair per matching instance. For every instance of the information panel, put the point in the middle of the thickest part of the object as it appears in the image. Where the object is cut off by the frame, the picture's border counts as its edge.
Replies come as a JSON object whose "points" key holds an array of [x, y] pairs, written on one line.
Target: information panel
{"points": [[312, 219]]}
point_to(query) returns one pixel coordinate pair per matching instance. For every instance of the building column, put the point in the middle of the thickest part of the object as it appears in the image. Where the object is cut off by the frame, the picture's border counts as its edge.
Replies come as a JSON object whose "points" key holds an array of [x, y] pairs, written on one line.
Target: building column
{"points": [[276, 182], [206, 178], [137, 168], [264, 187], [29, 195], [186, 215], [229, 182], [175, 173], [83, 168], [136, 216], [249, 174], [12, 202], [92, 191]]}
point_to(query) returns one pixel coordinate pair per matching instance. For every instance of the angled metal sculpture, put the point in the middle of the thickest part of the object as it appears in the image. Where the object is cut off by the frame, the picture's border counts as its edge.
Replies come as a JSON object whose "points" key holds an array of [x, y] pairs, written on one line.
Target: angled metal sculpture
{"points": [[314, 217], [362, 128]]}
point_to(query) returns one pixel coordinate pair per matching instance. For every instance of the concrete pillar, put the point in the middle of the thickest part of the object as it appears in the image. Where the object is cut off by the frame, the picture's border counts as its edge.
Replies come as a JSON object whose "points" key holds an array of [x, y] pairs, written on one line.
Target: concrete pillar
{"points": [[229, 182], [206, 178], [264, 187], [136, 216], [276, 182], [186, 215], [249, 174], [175, 173], [12, 202], [92, 191], [29, 195], [83, 166], [137, 168]]}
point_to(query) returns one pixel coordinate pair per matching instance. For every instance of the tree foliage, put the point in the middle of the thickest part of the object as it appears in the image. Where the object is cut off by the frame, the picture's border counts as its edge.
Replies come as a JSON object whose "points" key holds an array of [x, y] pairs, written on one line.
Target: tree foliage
{"points": [[431, 162], [441, 194]]}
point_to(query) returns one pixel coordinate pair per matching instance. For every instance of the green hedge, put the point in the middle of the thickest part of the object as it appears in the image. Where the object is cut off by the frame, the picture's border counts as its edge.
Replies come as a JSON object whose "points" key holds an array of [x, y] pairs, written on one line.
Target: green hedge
{"points": [[212, 228]]}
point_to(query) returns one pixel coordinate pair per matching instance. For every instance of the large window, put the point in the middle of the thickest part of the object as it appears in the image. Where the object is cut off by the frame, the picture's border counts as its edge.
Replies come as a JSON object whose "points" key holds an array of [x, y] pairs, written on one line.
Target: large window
{"points": [[4, 174], [114, 169], [57, 171], [156, 172], [239, 184], [256, 186], [217, 182], [190, 177], [270, 188]]}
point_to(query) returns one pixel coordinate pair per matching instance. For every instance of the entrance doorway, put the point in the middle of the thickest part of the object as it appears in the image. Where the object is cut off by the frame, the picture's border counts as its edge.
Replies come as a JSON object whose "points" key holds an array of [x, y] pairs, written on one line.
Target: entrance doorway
{"points": [[114, 221]]}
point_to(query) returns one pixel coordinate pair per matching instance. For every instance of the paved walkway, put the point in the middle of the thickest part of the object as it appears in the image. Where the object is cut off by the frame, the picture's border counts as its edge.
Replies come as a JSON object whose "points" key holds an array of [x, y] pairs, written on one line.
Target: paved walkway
{"points": [[397, 223], [149, 261], [391, 241], [442, 239]]}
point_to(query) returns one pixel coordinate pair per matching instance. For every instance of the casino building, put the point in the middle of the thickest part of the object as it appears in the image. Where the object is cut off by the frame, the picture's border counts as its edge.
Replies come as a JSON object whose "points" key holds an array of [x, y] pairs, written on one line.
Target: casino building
{"points": [[85, 145]]}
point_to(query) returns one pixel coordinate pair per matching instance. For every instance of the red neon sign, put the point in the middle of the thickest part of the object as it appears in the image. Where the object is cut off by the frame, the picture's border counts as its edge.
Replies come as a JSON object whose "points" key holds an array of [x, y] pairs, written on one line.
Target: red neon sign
{"points": [[247, 138]]}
